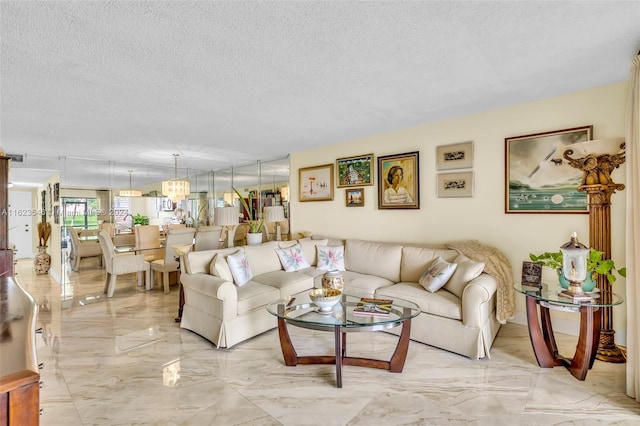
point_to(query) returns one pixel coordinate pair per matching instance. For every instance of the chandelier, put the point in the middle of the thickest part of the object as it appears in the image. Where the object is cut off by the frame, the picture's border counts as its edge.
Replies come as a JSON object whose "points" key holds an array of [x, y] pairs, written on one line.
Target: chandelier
{"points": [[175, 189], [130, 192]]}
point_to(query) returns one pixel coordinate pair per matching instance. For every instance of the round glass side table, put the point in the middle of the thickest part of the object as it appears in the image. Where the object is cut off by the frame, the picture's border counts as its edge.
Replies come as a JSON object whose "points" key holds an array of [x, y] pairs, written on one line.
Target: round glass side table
{"points": [[541, 331]]}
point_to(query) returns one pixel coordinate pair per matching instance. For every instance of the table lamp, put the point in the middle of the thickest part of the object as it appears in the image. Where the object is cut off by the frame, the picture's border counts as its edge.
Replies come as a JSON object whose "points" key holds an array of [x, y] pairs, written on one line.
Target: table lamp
{"points": [[227, 217], [274, 214], [574, 264]]}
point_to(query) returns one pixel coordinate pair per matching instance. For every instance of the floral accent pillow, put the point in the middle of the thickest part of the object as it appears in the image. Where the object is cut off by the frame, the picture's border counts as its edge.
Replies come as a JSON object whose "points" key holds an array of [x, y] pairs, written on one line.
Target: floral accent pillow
{"points": [[239, 268], [437, 274], [292, 258], [330, 258]]}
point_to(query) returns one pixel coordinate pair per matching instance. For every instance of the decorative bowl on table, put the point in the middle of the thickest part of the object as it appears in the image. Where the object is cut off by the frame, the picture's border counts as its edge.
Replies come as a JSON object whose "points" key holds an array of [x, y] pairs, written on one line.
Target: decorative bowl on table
{"points": [[325, 298]]}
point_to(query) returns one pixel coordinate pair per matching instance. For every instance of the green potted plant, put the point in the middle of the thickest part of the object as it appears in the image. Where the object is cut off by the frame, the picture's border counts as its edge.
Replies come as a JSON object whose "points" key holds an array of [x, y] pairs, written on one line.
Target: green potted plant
{"points": [[595, 265], [255, 224], [139, 219]]}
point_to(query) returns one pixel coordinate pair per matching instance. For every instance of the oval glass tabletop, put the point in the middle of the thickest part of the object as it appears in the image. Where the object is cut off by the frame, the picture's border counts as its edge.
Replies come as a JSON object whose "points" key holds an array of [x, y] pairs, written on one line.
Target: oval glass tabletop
{"points": [[302, 310], [550, 293]]}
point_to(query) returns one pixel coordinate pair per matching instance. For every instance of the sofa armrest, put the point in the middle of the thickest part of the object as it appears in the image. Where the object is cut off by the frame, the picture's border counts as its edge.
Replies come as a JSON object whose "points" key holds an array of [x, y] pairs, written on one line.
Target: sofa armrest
{"points": [[220, 295], [476, 300]]}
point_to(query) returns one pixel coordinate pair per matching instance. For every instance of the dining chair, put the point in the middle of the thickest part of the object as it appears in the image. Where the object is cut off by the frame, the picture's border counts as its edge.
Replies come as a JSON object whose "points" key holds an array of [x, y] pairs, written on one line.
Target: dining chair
{"points": [[240, 237], [170, 263], [82, 249], [148, 237], [109, 228], [207, 238], [120, 264]]}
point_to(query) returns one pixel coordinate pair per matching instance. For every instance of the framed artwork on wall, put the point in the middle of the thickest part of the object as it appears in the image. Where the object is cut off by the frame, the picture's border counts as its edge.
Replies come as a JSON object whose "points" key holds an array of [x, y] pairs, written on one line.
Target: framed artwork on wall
{"points": [[538, 179], [355, 171], [56, 192], [455, 185], [454, 156], [354, 197], [316, 183], [399, 181]]}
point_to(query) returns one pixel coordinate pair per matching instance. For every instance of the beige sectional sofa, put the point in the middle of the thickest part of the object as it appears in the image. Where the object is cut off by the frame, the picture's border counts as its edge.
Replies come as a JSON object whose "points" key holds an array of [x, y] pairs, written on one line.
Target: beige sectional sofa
{"points": [[460, 319]]}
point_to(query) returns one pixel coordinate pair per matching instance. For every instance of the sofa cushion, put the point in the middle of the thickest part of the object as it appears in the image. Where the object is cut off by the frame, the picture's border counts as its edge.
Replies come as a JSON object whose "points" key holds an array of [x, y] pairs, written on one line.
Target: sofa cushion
{"points": [[240, 268], [288, 283], [309, 249], [362, 284], [437, 274], [199, 262], [254, 295], [263, 257], [441, 303], [330, 258], [292, 258], [379, 259], [415, 260], [466, 270], [220, 268]]}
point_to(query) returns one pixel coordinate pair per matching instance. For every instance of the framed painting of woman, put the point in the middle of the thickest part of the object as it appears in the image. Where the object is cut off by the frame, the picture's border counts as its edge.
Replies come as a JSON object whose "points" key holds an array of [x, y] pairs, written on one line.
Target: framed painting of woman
{"points": [[399, 181]]}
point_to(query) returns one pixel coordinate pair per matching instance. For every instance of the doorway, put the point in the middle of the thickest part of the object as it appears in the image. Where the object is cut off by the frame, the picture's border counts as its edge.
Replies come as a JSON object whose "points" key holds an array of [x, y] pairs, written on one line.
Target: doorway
{"points": [[21, 223]]}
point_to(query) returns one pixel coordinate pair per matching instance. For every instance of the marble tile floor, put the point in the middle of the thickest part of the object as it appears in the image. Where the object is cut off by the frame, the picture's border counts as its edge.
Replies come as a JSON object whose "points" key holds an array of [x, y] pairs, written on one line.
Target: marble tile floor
{"points": [[124, 361]]}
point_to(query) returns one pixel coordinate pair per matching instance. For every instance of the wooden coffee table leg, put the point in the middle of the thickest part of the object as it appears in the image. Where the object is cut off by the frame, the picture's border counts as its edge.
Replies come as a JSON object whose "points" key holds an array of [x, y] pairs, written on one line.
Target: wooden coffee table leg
{"points": [[288, 352], [338, 340], [396, 363]]}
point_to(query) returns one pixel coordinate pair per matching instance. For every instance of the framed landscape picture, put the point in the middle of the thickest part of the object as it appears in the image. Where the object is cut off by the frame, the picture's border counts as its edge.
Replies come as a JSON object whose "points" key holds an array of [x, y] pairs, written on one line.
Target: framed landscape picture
{"points": [[455, 185], [398, 181], [538, 179], [354, 197], [454, 156], [316, 183], [355, 171]]}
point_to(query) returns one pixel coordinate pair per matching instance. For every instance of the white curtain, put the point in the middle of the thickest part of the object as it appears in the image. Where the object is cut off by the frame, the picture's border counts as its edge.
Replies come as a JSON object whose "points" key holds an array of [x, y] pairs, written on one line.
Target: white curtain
{"points": [[632, 139]]}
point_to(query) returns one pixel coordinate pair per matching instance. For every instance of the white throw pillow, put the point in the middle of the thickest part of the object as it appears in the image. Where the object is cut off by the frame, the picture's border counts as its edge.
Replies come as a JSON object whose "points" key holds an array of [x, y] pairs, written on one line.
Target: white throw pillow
{"points": [[437, 274], [466, 270], [220, 268], [239, 267], [292, 258], [330, 258]]}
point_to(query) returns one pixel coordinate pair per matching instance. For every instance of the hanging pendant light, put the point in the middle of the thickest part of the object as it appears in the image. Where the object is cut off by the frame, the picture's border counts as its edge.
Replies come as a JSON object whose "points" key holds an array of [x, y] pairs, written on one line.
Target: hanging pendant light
{"points": [[130, 192], [175, 189]]}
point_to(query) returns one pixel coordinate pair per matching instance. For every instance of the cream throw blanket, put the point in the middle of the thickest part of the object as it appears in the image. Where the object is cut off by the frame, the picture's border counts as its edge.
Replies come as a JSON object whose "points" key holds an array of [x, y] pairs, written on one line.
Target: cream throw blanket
{"points": [[498, 266]]}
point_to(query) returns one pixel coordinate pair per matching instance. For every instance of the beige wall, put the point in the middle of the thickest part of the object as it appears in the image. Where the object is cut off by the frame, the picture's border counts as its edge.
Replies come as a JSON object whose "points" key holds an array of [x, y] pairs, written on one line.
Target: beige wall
{"points": [[482, 217]]}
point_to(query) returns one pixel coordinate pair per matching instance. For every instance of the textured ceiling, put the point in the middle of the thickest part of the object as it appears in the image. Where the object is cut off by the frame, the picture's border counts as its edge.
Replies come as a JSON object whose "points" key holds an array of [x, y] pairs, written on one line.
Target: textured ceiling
{"points": [[230, 83]]}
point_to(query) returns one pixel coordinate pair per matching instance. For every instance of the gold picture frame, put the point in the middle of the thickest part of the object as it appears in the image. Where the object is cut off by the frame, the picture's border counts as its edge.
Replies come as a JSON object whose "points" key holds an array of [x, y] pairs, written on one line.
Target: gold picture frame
{"points": [[399, 181], [315, 183], [354, 197]]}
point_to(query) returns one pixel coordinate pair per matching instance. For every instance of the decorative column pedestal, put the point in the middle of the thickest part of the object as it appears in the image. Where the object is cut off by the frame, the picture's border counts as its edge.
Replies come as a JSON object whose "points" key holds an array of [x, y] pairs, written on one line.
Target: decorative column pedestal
{"points": [[599, 186]]}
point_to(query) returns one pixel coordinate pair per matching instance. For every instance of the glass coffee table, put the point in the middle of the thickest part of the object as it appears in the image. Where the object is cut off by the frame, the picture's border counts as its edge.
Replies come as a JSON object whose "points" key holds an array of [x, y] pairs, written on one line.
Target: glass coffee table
{"points": [[301, 312], [541, 332]]}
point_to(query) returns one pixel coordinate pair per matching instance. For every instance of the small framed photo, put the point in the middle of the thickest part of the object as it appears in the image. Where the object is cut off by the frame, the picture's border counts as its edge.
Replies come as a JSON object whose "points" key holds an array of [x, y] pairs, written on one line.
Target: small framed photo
{"points": [[398, 181], [355, 171], [316, 183], [354, 197], [56, 215], [454, 156], [531, 274], [452, 185]]}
